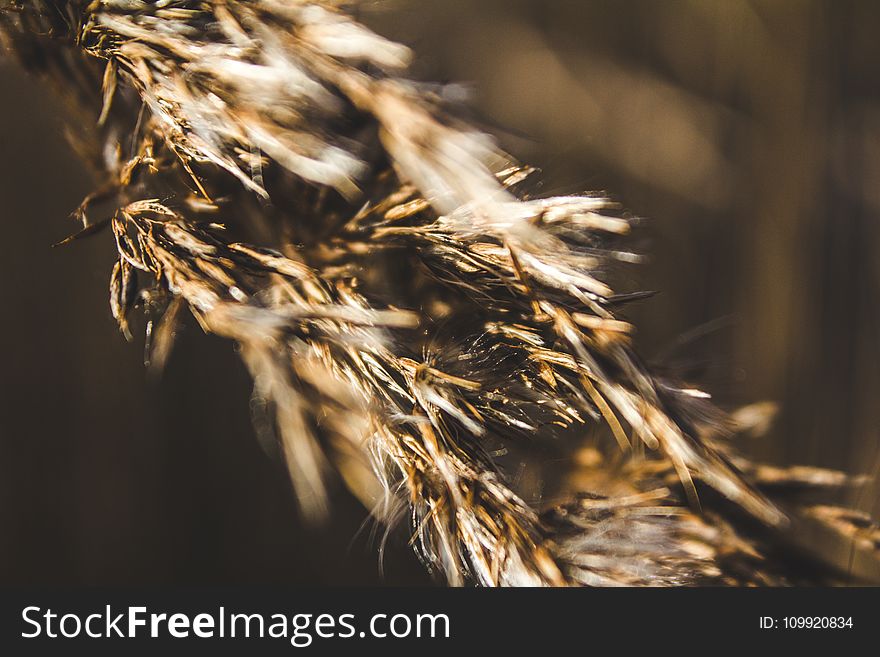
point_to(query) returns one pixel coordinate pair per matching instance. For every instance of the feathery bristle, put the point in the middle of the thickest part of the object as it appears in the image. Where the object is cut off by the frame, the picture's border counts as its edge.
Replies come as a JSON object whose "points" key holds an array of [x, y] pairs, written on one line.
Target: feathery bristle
{"points": [[416, 312]]}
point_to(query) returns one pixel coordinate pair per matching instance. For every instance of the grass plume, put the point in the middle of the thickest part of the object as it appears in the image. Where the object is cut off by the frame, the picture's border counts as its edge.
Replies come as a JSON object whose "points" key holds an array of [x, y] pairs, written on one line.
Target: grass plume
{"points": [[414, 319]]}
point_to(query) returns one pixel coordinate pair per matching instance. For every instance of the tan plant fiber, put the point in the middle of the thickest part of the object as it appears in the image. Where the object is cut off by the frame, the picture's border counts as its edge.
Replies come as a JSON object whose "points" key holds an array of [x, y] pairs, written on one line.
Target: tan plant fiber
{"points": [[419, 325]]}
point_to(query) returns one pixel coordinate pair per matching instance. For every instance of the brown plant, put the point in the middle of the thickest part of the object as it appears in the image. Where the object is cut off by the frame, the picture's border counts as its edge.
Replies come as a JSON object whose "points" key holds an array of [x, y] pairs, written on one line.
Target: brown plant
{"points": [[416, 321]]}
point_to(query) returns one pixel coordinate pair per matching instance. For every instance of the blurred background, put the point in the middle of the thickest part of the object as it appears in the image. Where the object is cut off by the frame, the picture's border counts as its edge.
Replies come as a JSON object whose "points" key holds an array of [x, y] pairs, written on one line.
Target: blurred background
{"points": [[746, 134]]}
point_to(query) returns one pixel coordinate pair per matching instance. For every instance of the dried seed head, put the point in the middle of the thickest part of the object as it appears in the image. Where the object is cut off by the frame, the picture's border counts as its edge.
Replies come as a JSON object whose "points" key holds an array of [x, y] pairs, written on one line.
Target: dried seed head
{"points": [[420, 321]]}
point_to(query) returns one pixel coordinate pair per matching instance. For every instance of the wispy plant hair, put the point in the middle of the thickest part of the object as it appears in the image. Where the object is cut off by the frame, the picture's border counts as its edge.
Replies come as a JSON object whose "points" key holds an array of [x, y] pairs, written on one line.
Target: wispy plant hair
{"points": [[418, 325]]}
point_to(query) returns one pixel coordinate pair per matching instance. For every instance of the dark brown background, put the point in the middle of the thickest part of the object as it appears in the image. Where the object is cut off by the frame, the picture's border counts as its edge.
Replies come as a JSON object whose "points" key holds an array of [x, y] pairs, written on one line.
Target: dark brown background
{"points": [[748, 135]]}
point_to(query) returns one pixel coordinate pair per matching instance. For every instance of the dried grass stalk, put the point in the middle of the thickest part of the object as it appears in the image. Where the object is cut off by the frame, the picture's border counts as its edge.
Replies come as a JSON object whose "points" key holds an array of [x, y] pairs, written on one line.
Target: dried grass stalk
{"points": [[414, 312]]}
